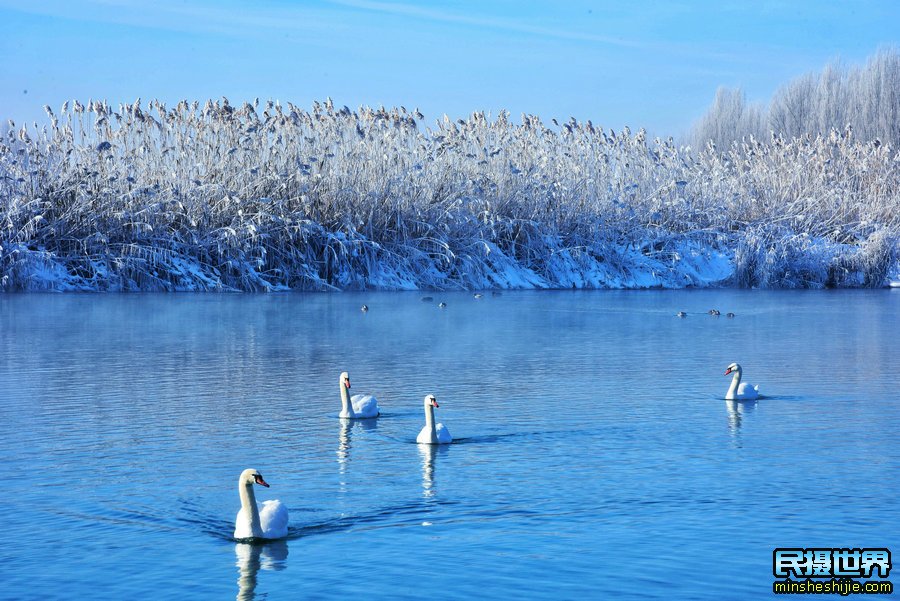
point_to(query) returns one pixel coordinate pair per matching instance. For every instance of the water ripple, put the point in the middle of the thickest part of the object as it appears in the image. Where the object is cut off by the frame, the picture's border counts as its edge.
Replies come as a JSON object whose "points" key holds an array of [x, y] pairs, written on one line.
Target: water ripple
{"points": [[591, 435]]}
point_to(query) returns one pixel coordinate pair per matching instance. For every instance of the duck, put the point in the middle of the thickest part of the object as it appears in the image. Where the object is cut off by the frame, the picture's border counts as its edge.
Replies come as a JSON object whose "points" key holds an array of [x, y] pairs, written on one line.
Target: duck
{"points": [[364, 308], [267, 521], [442, 305], [431, 433], [739, 391], [681, 314], [359, 406]]}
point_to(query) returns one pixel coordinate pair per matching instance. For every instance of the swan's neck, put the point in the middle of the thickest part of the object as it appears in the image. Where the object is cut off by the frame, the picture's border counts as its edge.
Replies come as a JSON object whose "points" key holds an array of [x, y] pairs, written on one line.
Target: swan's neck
{"points": [[248, 504], [429, 421], [346, 405], [735, 382]]}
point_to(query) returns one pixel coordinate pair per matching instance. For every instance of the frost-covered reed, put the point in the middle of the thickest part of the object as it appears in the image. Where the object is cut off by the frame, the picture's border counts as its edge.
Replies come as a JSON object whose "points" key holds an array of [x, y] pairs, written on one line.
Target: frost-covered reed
{"points": [[260, 197]]}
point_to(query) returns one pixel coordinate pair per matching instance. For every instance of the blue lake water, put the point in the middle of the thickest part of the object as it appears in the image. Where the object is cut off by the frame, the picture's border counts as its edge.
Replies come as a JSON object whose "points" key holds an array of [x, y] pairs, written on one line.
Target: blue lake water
{"points": [[593, 454]]}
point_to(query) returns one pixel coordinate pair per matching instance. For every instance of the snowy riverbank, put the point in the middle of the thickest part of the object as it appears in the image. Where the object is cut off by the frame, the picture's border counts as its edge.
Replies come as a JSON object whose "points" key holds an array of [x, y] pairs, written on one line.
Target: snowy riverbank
{"points": [[272, 198], [364, 265]]}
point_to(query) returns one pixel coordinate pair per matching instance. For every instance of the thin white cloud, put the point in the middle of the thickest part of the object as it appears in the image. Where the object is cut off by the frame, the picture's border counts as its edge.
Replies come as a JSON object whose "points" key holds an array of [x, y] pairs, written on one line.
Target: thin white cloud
{"points": [[428, 14], [169, 15], [504, 24]]}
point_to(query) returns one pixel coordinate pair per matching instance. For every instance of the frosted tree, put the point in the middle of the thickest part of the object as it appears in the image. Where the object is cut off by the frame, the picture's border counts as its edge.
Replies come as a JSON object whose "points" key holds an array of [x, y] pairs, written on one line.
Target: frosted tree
{"points": [[831, 99], [793, 111], [877, 98], [863, 100], [729, 119]]}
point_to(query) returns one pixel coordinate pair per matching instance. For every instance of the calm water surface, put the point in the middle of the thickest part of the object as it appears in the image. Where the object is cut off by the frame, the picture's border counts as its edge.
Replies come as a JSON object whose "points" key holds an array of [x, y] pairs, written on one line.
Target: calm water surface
{"points": [[593, 456]]}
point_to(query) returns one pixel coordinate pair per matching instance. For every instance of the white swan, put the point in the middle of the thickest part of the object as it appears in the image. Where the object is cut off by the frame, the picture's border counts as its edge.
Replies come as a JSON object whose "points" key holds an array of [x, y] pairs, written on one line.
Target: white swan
{"points": [[267, 520], [739, 391], [359, 406], [432, 434]]}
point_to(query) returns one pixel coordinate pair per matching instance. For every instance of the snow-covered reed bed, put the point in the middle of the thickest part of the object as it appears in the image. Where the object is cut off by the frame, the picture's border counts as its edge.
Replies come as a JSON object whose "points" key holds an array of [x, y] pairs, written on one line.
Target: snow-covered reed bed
{"points": [[216, 196]]}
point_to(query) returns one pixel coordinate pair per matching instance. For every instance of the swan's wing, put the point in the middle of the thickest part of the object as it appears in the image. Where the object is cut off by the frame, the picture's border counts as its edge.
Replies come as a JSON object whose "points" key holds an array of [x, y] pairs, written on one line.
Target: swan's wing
{"points": [[273, 517], [364, 405], [443, 434], [747, 391]]}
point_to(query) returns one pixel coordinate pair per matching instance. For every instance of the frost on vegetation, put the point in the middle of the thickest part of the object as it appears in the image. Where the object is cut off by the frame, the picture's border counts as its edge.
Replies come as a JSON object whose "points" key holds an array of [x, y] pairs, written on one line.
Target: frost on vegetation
{"points": [[271, 197], [862, 99]]}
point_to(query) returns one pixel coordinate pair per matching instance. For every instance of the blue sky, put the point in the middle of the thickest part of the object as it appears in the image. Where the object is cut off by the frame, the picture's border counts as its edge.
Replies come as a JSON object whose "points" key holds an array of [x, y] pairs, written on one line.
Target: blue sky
{"points": [[645, 64]]}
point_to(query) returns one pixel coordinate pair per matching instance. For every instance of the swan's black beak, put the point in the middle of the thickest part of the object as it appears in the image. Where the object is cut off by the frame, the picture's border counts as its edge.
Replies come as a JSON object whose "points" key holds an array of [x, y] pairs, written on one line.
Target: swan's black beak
{"points": [[435, 403], [727, 371], [347, 382], [260, 481]]}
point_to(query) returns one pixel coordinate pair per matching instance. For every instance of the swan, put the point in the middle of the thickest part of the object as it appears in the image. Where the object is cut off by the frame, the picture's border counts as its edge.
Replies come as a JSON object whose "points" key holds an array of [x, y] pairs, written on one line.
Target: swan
{"points": [[268, 520], [432, 434], [359, 406], [739, 391]]}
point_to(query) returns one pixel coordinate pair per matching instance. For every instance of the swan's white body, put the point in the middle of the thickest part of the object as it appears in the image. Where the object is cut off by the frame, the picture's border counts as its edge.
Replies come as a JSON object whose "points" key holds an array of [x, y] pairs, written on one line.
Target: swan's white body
{"points": [[268, 520], [433, 433], [359, 406], [740, 391]]}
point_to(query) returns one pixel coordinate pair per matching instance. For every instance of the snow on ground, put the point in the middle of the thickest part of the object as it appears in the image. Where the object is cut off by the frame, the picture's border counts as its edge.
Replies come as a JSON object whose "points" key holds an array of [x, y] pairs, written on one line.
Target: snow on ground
{"points": [[686, 264]]}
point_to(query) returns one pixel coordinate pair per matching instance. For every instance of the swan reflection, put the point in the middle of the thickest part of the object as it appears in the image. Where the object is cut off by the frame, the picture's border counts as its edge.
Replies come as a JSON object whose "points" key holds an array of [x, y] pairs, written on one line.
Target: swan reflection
{"points": [[345, 439], [736, 412], [429, 454], [343, 450], [253, 558]]}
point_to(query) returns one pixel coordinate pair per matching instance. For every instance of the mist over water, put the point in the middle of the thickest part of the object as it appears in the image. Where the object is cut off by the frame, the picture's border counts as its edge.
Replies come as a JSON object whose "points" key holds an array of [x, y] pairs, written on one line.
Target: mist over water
{"points": [[593, 452]]}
